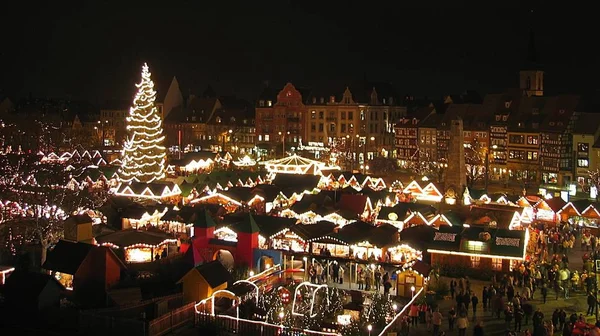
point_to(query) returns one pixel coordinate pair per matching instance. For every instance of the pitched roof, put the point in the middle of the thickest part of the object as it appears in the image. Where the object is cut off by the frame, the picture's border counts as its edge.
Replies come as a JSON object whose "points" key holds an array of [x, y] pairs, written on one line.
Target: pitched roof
{"points": [[312, 231], [214, 273], [67, 257], [248, 225], [587, 123], [79, 219], [130, 237], [28, 285], [354, 203], [270, 225]]}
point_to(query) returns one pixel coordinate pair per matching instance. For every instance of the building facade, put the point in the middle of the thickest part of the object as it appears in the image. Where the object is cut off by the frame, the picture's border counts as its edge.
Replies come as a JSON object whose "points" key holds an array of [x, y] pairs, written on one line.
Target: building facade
{"points": [[280, 119]]}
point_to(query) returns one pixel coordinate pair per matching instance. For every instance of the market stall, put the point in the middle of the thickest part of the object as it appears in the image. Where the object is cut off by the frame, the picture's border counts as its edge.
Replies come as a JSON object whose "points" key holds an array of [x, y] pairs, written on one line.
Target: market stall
{"points": [[137, 245]]}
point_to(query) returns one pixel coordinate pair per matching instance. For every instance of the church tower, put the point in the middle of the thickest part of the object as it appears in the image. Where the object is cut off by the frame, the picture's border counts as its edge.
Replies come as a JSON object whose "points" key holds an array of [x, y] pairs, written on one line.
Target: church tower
{"points": [[531, 77]]}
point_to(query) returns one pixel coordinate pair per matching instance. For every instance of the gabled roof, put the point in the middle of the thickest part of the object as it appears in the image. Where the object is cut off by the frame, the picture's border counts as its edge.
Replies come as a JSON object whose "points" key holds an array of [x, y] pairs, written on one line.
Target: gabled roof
{"points": [[130, 237], [555, 203], [67, 257], [248, 225], [295, 182], [354, 203], [79, 219], [312, 231], [214, 273], [270, 225], [587, 123], [28, 285]]}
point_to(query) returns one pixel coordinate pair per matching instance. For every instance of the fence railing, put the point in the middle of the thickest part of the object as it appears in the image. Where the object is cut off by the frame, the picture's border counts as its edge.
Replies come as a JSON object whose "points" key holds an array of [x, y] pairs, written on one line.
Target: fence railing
{"points": [[395, 323], [94, 324], [230, 324], [172, 320], [121, 320]]}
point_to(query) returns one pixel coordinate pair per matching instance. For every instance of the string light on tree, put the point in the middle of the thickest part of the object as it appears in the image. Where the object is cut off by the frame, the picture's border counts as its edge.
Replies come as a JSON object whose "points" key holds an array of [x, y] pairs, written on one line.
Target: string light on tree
{"points": [[144, 156]]}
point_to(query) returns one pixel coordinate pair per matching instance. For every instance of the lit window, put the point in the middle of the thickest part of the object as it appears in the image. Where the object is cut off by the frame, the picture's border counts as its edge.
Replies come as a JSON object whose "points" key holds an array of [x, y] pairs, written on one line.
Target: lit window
{"points": [[259, 137], [269, 103], [266, 137], [496, 264], [583, 163], [475, 262], [583, 147]]}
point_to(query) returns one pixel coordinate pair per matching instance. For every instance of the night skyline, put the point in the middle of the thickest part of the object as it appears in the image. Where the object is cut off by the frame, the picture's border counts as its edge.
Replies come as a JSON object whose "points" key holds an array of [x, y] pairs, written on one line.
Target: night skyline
{"points": [[94, 51]]}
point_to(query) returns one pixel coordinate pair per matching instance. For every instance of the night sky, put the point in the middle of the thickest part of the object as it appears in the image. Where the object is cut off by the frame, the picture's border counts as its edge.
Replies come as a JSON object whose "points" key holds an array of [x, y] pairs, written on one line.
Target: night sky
{"points": [[93, 50]]}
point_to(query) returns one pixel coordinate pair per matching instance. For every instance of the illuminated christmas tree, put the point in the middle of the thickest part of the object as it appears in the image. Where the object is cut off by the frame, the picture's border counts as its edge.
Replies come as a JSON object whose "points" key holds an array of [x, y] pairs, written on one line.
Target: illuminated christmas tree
{"points": [[144, 156]]}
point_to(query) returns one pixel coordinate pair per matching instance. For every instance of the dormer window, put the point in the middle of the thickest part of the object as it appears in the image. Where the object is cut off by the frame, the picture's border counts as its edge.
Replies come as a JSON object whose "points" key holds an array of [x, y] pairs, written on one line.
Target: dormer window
{"points": [[507, 104], [322, 100], [498, 117], [269, 103], [520, 124], [245, 121], [218, 120], [288, 94], [314, 100], [415, 121], [332, 99], [193, 118], [261, 103], [504, 118], [391, 100], [383, 101], [232, 119], [561, 111]]}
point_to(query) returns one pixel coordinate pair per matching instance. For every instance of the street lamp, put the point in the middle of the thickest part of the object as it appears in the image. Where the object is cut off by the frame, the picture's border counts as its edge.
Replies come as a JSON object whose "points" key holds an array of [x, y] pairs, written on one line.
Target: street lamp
{"points": [[369, 328], [283, 140], [412, 290], [305, 266], [395, 307], [251, 273], [225, 137], [487, 166], [102, 126], [281, 315]]}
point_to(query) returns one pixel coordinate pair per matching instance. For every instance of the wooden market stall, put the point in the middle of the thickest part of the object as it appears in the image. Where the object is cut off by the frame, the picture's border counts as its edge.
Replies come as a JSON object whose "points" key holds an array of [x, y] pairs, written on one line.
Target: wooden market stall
{"points": [[137, 246], [412, 278]]}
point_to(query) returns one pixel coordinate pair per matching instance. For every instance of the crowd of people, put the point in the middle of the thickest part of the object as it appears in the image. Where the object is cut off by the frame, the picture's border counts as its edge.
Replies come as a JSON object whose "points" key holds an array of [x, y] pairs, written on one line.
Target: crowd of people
{"points": [[546, 274]]}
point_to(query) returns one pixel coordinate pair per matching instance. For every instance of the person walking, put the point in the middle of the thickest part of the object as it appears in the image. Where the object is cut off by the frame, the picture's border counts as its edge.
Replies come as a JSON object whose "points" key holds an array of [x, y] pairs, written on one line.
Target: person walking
{"points": [[377, 279], [591, 301], [462, 323], [451, 319], [478, 330], [474, 302], [508, 317], [452, 288], [414, 314], [518, 319], [484, 298], [436, 320], [544, 292]]}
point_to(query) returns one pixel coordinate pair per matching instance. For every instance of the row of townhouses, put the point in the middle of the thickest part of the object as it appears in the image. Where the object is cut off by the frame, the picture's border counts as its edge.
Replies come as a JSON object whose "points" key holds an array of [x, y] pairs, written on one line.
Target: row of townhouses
{"points": [[522, 134]]}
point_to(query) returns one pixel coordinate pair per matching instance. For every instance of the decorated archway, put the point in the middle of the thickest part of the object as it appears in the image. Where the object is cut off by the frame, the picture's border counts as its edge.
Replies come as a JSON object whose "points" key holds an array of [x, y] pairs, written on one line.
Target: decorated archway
{"points": [[264, 263], [313, 289]]}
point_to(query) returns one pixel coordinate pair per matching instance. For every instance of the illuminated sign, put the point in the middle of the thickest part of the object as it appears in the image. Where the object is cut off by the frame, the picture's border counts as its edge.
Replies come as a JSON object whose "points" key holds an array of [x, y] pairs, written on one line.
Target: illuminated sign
{"points": [[502, 241], [442, 236]]}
